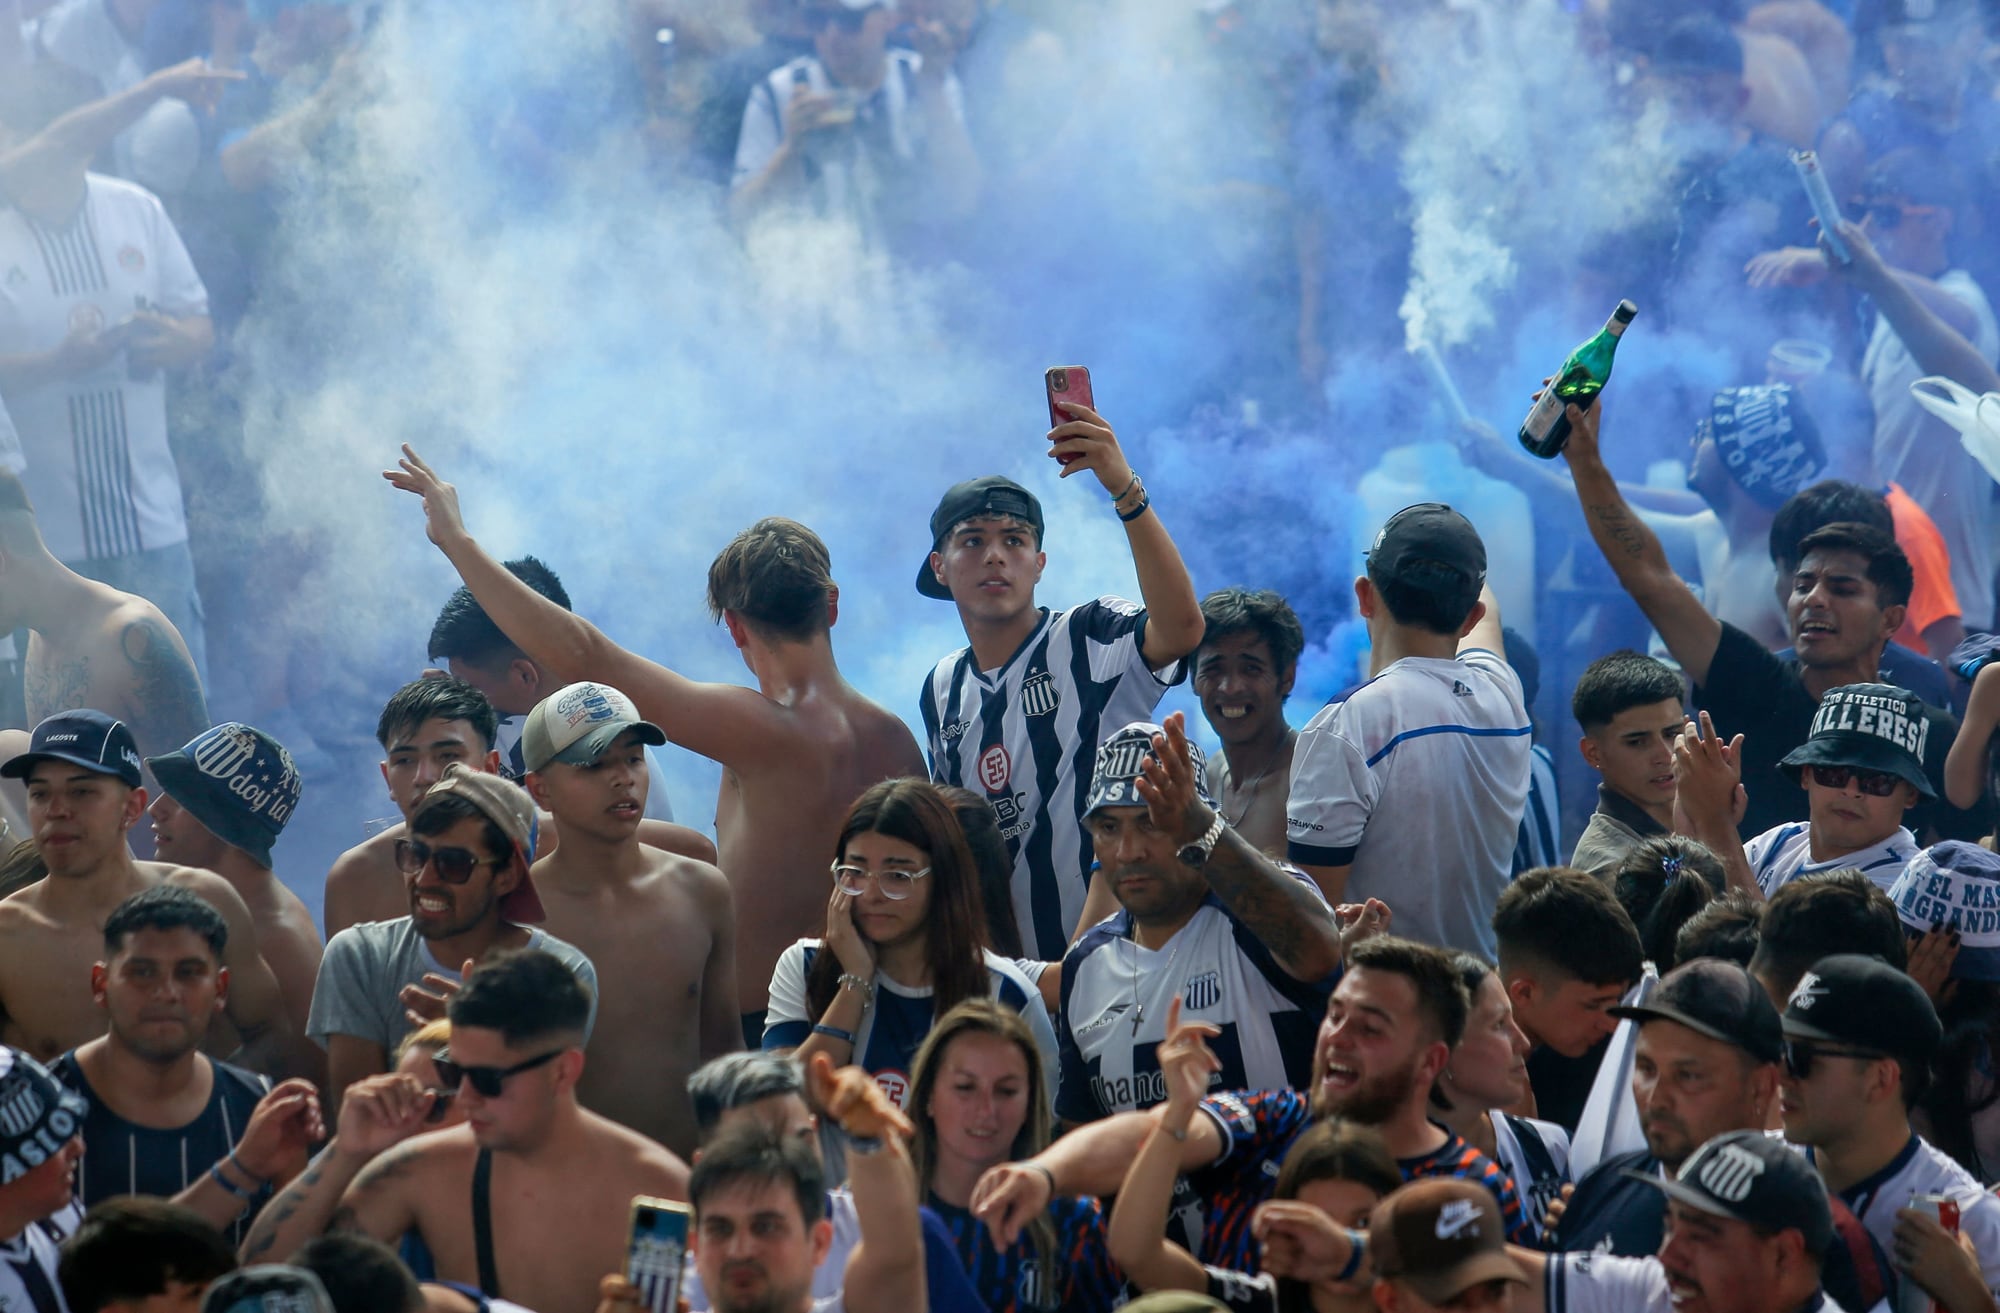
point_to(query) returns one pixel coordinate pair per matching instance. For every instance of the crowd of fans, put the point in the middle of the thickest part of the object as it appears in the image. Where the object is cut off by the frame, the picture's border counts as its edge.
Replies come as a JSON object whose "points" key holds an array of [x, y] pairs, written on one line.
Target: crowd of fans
{"points": [[1044, 1007]]}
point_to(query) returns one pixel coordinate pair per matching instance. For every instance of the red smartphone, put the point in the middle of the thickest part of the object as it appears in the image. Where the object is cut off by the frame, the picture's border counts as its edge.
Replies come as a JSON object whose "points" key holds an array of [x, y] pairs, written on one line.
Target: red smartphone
{"points": [[1067, 383]]}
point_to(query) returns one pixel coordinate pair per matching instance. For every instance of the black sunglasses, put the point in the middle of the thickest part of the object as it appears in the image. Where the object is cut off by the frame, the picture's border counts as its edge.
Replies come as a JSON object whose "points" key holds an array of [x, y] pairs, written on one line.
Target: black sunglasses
{"points": [[453, 865], [1874, 783], [488, 1081], [1799, 1057]]}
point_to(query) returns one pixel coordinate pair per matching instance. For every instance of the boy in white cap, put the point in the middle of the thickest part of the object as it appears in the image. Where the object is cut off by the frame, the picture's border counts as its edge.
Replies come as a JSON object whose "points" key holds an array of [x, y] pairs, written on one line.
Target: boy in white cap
{"points": [[661, 926]]}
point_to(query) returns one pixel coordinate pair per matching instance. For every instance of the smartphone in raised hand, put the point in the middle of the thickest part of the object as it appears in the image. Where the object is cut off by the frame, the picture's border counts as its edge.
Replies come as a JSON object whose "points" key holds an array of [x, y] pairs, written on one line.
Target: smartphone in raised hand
{"points": [[1067, 383], [657, 1252]]}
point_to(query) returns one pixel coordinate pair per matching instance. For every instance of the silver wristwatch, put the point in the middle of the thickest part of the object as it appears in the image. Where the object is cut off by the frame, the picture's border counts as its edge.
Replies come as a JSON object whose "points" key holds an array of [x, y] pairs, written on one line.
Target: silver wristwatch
{"points": [[1197, 853]]}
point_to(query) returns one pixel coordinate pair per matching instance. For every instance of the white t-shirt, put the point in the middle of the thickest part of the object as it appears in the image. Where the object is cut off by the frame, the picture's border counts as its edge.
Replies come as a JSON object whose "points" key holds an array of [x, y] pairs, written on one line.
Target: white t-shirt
{"points": [[1783, 853], [1606, 1283], [99, 469], [1920, 451], [1539, 1168], [1921, 1168], [28, 1264], [827, 1277], [1417, 782]]}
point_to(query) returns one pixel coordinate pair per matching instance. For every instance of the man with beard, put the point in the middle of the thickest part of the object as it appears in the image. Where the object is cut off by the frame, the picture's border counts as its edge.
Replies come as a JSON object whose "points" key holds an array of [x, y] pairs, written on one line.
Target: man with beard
{"points": [[530, 1198], [164, 1119], [470, 895], [1387, 1035]]}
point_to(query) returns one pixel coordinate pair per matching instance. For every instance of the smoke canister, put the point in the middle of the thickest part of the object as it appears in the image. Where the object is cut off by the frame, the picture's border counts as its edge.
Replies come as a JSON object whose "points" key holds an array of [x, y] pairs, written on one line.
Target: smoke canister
{"points": [[1911, 1297]]}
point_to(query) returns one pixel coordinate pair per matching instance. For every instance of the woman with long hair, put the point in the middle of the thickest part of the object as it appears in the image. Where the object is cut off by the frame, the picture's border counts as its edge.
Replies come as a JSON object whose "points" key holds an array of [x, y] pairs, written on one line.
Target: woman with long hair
{"points": [[1337, 1168], [1662, 883], [905, 942], [979, 1098]]}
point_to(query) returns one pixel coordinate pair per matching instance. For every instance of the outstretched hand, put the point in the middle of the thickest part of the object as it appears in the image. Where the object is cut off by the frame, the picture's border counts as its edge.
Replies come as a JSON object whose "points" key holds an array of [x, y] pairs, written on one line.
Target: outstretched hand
{"points": [[1166, 782], [442, 521], [1186, 1063], [851, 1097], [1708, 773]]}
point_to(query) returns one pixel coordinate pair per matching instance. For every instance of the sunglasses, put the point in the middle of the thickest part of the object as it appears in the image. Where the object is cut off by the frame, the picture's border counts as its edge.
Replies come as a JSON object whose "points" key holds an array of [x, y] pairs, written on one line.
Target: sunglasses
{"points": [[1874, 783], [453, 865], [488, 1081], [1799, 1058]]}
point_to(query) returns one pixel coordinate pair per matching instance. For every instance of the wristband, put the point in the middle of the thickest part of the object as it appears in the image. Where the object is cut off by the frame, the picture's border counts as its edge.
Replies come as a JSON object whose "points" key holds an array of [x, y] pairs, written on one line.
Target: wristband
{"points": [[248, 1175], [865, 1145], [835, 1032], [1047, 1175], [1128, 488], [1145, 503], [1357, 1250], [215, 1174]]}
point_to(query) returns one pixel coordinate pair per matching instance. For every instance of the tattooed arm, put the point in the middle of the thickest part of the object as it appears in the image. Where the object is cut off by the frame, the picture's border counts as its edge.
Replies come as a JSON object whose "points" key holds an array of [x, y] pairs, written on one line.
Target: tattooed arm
{"points": [[1635, 554], [165, 690], [360, 1182], [1287, 915]]}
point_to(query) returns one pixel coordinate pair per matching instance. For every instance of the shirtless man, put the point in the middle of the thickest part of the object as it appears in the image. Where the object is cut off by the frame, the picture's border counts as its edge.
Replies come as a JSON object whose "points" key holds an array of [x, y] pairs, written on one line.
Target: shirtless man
{"points": [[560, 1179], [795, 752], [659, 928], [1243, 672], [82, 770], [428, 725], [91, 645], [224, 799]]}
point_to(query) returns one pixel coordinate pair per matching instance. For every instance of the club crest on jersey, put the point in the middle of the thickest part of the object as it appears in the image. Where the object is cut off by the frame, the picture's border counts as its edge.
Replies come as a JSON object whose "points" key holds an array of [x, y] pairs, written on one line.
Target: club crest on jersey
{"points": [[1038, 695], [1204, 991], [131, 259], [895, 1084], [996, 768]]}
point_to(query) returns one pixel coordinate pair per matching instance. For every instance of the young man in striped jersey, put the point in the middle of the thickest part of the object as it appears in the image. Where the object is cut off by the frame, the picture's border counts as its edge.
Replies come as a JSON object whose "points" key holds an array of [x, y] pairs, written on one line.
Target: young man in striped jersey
{"points": [[1018, 713]]}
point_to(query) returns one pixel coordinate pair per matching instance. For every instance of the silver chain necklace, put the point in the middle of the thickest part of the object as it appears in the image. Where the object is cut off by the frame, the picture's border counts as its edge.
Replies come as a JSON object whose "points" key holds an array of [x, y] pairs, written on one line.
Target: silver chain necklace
{"points": [[1138, 1004]]}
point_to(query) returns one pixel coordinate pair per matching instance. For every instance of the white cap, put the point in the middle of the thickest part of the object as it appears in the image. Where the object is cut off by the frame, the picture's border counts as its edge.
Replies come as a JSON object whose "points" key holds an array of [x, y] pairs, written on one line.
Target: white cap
{"points": [[578, 723]]}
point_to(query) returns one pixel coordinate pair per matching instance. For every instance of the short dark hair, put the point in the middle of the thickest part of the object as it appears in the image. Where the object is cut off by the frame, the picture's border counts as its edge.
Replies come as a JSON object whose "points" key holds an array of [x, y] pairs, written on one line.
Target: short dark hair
{"points": [[435, 817], [1427, 595], [1441, 998], [1661, 884], [525, 994], [776, 575], [1560, 918], [464, 632], [1830, 501], [36, 95], [165, 907], [129, 1247], [1231, 611], [1818, 915], [751, 1154], [1617, 683], [1725, 929], [361, 1274], [1888, 569], [436, 699], [737, 1080]]}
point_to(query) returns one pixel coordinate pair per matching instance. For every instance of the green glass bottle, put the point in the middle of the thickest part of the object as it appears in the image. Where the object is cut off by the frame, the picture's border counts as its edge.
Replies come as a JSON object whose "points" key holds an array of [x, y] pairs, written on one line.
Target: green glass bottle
{"points": [[1580, 379]]}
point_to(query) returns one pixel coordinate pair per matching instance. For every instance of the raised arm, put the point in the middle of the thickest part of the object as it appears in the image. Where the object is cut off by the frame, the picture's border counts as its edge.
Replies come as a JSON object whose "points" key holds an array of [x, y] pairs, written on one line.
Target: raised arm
{"points": [[1635, 555], [1709, 798], [723, 722], [1966, 765], [1287, 915], [1138, 1230], [79, 135], [885, 1271], [1174, 623], [1485, 633], [1932, 323]]}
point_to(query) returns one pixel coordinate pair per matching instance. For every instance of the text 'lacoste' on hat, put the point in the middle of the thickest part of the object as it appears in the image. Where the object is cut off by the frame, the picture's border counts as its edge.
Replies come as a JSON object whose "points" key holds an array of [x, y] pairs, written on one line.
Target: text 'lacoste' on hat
{"points": [[1956, 886], [89, 739], [1114, 780], [578, 723], [1751, 1177], [1441, 1237], [1428, 534], [989, 494], [1864, 1003], [238, 781], [1718, 999], [508, 806], [38, 1115], [1876, 727]]}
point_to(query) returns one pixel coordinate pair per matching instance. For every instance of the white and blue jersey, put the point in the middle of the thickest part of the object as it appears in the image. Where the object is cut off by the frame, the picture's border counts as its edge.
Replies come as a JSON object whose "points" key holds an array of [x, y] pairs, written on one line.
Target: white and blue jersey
{"points": [[1026, 736], [1115, 996], [898, 1020], [28, 1264], [1416, 782], [1921, 1168], [1781, 855]]}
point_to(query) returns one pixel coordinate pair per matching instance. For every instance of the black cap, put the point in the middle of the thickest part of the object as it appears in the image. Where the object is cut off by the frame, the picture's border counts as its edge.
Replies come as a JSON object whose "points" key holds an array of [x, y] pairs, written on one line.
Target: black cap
{"points": [[989, 494], [1718, 999], [1865, 1003], [89, 739], [1876, 727], [1429, 533], [1754, 1178], [238, 781]]}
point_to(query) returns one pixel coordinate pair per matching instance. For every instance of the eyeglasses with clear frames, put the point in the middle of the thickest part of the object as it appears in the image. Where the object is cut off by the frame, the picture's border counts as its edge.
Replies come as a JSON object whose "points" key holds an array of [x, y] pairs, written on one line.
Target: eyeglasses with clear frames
{"points": [[896, 884]]}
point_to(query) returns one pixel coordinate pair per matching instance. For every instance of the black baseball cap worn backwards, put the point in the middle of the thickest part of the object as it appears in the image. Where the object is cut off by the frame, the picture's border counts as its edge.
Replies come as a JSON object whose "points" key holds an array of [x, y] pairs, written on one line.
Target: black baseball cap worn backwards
{"points": [[1876, 727], [89, 739], [1429, 533], [990, 494]]}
